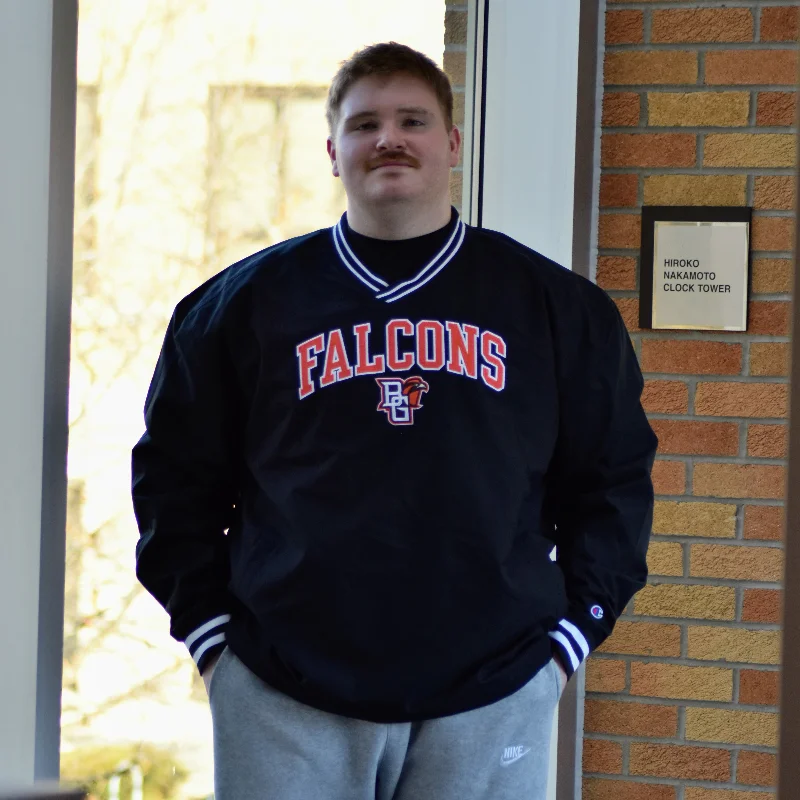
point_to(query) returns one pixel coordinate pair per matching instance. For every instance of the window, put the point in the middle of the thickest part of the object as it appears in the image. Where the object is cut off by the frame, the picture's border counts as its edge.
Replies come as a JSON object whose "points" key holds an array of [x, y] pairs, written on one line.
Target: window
{"points": [[269, 176]]}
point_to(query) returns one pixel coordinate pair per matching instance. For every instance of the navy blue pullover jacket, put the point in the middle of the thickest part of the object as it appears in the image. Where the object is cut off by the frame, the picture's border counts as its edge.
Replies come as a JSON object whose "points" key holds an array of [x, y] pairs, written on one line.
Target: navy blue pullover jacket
{"points": [[357, 485]]}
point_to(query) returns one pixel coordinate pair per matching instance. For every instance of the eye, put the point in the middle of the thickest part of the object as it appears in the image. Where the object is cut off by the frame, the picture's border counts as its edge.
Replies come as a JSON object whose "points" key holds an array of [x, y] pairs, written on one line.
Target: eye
{"points": [[413, 122], [366, 126]]}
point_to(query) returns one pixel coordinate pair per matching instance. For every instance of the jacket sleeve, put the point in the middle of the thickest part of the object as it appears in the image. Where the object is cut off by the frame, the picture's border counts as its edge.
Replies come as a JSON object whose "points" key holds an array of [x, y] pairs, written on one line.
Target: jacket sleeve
{"points": [[599, 492], [184, 487]]}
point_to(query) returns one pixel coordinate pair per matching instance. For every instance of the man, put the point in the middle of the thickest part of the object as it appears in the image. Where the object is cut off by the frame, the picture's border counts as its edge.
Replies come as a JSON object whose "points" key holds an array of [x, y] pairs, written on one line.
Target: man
{"points": [[394, 420]]}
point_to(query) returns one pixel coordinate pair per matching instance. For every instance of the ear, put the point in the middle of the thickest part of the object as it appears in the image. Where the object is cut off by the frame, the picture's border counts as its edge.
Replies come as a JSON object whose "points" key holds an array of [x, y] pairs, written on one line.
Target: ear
{"points": [[455, 146], [332, 156]]}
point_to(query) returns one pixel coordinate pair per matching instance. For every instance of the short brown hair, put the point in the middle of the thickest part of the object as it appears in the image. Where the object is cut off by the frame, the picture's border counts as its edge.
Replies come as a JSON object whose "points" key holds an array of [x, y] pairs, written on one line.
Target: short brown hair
{"points": [[386, 59]]}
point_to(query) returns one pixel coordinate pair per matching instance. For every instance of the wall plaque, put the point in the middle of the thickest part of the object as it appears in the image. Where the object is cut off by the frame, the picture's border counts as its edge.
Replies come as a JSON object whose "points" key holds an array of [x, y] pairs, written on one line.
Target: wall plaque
{"points": [[695, 268]]}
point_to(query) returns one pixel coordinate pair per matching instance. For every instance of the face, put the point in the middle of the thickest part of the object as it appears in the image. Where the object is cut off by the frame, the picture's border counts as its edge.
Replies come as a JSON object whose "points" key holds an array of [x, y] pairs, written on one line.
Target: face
{"points": [[391, 143]]}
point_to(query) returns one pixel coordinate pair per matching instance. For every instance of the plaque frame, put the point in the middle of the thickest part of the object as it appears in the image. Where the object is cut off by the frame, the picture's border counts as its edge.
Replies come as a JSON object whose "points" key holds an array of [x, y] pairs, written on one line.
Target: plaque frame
{"points": [[653, 214]]}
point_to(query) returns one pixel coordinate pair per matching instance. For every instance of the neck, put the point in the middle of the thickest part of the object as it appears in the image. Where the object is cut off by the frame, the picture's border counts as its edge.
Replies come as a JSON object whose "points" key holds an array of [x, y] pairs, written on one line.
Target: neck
{"points": [[398, 220]]}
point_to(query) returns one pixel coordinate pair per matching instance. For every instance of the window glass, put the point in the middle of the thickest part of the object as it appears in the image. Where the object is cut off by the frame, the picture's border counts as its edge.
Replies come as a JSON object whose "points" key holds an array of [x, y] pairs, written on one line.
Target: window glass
{"points": [[200, 139]]}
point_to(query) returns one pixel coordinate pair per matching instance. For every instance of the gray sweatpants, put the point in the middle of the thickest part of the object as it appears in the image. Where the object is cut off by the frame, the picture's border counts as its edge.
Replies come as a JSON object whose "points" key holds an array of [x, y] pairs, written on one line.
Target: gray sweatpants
{"points": [[268, 746]]}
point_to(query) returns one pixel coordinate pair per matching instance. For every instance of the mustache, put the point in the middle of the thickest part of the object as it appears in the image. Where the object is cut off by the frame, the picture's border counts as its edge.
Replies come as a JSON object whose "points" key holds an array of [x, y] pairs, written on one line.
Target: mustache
{"points": [[393, 159]]}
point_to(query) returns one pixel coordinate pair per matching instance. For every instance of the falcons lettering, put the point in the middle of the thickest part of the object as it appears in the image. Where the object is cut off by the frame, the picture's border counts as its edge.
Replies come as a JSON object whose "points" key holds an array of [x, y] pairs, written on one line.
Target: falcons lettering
{"points": [[428, 345]]}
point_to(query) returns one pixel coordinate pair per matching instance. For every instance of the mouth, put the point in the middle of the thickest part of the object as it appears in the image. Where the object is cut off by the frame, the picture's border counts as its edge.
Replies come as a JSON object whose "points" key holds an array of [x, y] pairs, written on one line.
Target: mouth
{"points": [[392, 164]]}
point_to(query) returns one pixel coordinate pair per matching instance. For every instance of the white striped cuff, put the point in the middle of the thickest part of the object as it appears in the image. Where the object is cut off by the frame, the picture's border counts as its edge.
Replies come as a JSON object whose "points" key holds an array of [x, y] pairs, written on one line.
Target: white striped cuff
{"points": [[572, 644], [206, 638]]}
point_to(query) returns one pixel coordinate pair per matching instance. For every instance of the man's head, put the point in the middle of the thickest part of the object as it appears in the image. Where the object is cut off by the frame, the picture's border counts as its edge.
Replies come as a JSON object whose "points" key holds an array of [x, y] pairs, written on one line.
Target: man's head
{"points": [[391, 138], [384, 61]]}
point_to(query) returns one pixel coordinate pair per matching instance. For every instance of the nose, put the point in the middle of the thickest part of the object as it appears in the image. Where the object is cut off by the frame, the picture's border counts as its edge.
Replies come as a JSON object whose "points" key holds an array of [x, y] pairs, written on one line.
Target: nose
{"points": [[391, 138]]}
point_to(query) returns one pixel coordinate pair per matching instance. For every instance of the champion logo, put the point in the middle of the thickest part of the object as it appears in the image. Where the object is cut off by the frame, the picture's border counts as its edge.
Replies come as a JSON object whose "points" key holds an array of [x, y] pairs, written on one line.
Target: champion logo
{"points": [[596, 612], [512, 754]]}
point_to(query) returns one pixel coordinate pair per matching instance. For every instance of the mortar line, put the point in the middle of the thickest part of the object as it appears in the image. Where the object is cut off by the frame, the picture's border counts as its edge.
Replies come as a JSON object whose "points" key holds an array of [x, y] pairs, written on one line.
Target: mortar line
{"points": [[687, 561], [699, 47], [670, 4], [752, 114], [743, 431], [680, 661], [757, 24], [626, 757], [688, 130], [685, 702]]}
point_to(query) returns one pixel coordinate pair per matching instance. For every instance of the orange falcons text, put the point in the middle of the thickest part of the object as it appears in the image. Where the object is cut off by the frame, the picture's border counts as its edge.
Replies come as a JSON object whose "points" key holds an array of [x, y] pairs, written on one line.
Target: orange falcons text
{"points": [[461, 349]]}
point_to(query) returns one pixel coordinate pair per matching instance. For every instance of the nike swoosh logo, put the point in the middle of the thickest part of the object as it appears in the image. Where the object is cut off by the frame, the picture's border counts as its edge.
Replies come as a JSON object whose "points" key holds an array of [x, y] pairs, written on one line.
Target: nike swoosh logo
{"points": [[506, 761]]}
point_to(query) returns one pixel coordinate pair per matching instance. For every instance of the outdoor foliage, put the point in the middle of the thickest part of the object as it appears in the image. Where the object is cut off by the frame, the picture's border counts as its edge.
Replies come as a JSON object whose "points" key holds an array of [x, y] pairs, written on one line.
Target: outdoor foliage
{"points": [[92, 768]]}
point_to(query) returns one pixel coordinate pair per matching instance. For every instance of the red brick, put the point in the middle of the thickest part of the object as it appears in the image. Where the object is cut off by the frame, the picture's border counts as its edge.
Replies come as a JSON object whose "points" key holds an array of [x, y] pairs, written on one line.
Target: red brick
{"points": [[643, 639], [621, 109], [680, 761], [722, 399], [762, 605], [605, 675], [702, 25], [619, 231], [772, 276], [455, 65], [691, 357], [638, 69], [648, 150], [696, 793], [767, 441], [779, 24], [773, 233], [754, 150], [676, 437], [769, 318], [598, 789], [763, 522], [631, 719], [756, 769], [629, 310], [776, 108], [774, 192], [455, 27], [748, 67], [669, 477], [682, 683], [616, 272], [759, 687], [769, 359], [739, 480], [665, 397], [602, 756], [619, 191], [732, 562], [624, 27]]}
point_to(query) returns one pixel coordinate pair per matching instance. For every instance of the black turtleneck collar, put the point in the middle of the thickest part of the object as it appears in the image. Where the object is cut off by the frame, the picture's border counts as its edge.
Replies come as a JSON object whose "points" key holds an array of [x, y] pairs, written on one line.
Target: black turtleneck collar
{"points": [[395, 260]]}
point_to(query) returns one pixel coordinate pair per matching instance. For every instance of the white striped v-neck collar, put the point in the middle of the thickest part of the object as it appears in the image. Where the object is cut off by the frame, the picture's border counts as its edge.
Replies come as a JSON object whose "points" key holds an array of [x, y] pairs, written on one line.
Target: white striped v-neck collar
{"points": [[383, 291]]}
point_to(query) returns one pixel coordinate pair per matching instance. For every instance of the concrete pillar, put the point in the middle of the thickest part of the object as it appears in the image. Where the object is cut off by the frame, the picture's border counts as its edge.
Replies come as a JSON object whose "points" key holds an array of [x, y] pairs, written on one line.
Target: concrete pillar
{"points": [[38, 49]]}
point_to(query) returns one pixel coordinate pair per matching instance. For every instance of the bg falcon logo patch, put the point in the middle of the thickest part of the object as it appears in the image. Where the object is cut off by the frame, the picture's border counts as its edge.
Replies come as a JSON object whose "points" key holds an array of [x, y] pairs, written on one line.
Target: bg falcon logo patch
{"points": [[401, 398]]}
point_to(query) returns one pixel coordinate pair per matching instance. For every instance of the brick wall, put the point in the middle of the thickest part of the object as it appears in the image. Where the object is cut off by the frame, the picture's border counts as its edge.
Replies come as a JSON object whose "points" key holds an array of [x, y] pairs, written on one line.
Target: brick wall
{"points": [[681, 701], [455, 65], [698, 109]]}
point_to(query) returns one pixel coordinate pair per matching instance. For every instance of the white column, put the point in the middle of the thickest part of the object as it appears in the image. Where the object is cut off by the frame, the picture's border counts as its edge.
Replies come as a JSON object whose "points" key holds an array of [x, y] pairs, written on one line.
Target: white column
{"points": [[38, 47], [531, 105], [531, 171]]}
